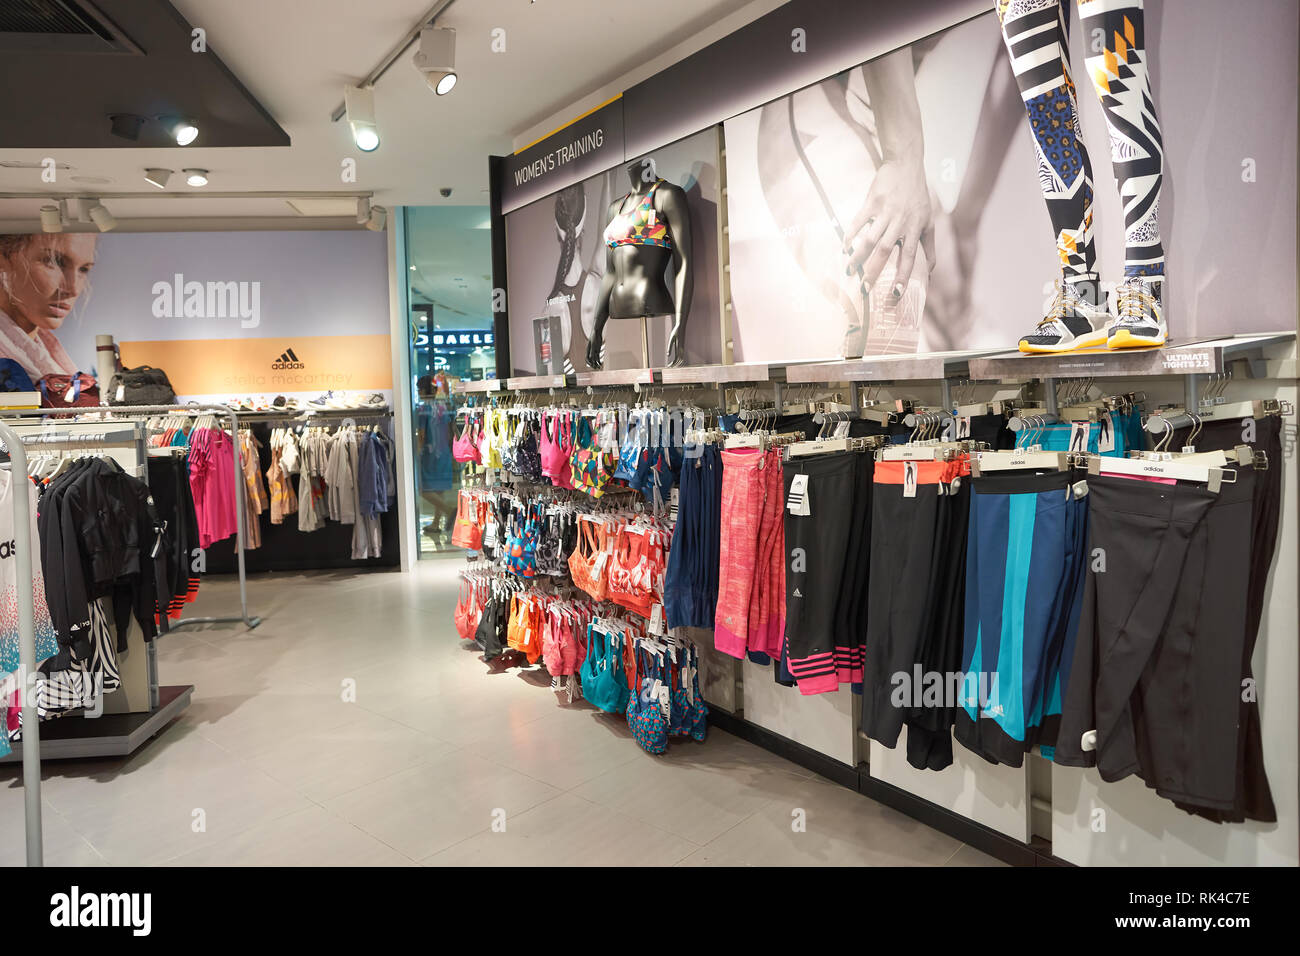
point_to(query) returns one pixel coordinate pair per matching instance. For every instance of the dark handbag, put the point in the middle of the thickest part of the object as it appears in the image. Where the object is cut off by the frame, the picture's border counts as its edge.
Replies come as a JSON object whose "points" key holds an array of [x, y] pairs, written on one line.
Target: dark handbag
{"points": [[14, 378], [69, 391], [143, 385]]}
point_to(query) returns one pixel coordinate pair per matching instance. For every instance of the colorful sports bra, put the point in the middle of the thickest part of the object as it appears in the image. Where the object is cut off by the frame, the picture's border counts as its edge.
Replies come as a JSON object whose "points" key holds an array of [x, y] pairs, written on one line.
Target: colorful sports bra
{"points": [[643, 226]]}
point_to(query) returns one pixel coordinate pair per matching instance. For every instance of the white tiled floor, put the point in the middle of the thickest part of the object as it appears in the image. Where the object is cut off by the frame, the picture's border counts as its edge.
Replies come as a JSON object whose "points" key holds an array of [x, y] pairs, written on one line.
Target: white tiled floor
{"points": [[437, 760]]}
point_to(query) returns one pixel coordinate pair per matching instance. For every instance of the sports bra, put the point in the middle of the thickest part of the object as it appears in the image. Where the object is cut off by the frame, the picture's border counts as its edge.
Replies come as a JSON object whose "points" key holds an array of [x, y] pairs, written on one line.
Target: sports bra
{"points": [[643, 226]]}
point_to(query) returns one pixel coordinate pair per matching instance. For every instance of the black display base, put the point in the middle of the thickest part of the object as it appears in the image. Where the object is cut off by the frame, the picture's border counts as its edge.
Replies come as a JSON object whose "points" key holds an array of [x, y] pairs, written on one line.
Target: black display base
{"points": [[112, 735], [985, 839], [285, 548]]}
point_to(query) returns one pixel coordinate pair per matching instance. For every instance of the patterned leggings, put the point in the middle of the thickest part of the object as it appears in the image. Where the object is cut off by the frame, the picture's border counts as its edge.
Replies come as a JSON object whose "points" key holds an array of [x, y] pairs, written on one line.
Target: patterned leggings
{"points": [[1037, 33]]}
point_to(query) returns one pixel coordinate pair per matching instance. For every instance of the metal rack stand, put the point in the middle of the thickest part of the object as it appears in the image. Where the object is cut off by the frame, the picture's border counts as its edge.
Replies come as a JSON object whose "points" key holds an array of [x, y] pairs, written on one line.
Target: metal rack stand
{"points": [[140, 708], [221, 411]]}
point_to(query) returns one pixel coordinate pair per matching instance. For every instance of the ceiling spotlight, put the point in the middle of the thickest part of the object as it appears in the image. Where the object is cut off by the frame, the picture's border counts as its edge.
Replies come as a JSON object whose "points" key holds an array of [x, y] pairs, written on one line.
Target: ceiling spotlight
{"points": [[51, 219], [101, 217], [126, 125], [436, 58], [196, 177], [378, 217], [363, 210], [182, 130], [359, 106], [157, 177]]}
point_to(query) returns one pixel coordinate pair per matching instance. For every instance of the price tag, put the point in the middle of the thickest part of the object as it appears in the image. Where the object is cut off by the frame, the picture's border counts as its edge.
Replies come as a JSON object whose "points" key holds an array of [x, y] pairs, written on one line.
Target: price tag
{"points": [[121, 393], [1106, 436], [657, 619], [1079, 436], [70, 395], [672, 504], [963, 427], [909, 479], [797, 503], [665, 704]]}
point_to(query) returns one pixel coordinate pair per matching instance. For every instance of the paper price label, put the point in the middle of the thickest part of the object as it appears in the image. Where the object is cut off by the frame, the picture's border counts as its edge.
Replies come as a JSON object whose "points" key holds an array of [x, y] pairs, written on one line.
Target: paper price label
{"points": [[1079, 436], [797, 503], [657, 619], [1106, 433], [665, 704], [121, 393], [909, 479]]}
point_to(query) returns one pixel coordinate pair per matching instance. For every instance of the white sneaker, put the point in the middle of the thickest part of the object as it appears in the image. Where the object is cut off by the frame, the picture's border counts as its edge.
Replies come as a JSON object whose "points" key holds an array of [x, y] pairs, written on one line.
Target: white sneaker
{"points": [[1140, 322], [1074, 321]]}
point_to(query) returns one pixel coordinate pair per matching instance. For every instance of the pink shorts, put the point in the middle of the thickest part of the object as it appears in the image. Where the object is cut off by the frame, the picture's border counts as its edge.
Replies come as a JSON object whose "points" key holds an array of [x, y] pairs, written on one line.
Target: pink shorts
{"points": [[751, 575]]}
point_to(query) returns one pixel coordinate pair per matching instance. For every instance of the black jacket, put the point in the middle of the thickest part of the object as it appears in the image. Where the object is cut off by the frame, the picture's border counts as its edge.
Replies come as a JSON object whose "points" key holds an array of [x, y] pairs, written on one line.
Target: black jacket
{"points": [[100, 537]]}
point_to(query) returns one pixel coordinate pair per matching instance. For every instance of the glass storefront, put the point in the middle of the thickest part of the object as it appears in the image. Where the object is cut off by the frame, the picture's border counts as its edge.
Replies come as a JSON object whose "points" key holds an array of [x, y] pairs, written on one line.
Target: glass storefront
{"points": [[448, 267]]}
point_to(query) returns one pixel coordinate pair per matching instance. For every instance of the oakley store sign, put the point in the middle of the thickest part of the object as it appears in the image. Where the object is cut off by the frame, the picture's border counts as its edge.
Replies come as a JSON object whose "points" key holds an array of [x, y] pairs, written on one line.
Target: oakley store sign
{"points": [[454, 341]]}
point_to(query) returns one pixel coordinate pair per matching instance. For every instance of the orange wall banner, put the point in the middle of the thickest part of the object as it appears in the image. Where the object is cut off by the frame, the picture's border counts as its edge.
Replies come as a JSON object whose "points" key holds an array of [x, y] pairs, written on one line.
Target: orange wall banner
{"points": [[292, 364]]}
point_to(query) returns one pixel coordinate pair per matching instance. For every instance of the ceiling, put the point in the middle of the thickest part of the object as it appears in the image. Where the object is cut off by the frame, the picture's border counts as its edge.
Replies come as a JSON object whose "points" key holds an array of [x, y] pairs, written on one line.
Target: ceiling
{"points": [[296, 65], [80, 65]]}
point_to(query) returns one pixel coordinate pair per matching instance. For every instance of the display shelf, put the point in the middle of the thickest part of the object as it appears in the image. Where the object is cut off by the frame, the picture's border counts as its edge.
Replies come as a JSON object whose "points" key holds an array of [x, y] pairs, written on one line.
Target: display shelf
{"points": [[486, 385], [618, 376], [888, 368], [112, 735], [1198, 357], [527, 382], [722, 374]]}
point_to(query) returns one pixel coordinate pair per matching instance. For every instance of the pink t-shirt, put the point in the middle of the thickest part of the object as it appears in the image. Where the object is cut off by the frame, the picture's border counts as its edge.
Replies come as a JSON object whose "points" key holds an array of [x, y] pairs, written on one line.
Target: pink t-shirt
{"points": [[212, 482]]}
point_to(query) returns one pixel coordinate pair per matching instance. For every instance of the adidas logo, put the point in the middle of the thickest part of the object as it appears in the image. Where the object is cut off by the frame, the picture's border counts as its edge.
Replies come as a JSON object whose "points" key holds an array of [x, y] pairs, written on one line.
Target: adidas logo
{"points": [[287, 360], [798, 593]]}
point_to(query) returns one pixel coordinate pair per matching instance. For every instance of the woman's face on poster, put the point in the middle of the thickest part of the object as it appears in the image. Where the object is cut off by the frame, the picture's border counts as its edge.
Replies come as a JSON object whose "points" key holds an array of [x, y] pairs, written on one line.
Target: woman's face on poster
{"points": [[42, 281]]}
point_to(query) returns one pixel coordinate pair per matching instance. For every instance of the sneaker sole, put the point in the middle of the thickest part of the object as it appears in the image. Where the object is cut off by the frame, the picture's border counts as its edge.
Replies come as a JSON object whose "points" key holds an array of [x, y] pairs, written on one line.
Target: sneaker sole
{"points": [[1124, 339], [1082, 342]]}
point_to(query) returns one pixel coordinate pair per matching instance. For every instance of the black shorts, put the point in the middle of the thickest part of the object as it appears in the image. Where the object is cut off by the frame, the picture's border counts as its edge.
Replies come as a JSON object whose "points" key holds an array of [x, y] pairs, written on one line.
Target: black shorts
{"points": [[1158, 664], [816, 547]]}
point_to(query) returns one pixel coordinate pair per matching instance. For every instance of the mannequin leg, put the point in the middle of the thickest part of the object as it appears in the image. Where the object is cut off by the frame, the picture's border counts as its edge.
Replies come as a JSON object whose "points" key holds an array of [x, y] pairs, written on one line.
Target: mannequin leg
{"points": [[1037, 38], [1119, 75], [1036, 34]]}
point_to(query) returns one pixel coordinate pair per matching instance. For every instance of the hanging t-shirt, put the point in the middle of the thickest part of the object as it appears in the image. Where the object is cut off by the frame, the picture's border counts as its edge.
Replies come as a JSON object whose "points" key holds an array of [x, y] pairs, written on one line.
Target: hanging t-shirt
{"points": [[212, 481], [46, 646]]}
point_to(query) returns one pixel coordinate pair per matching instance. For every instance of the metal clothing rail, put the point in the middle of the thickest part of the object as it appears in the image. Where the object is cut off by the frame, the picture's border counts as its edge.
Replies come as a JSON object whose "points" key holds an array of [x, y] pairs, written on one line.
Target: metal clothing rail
{"points": [[26, 640], [222, 411]]}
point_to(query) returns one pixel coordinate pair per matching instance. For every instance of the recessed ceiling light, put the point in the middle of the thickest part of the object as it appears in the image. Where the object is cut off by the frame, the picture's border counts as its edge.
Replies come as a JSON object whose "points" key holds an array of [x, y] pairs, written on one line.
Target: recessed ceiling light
{"points": [[126, 125], [157, 177], [196, 177], [92, 180], [182, 130]]}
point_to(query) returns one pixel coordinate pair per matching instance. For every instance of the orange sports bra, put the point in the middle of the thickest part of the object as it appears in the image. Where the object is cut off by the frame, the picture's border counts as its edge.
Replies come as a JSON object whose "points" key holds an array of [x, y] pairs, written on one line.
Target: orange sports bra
{"points": [[642, 226]]}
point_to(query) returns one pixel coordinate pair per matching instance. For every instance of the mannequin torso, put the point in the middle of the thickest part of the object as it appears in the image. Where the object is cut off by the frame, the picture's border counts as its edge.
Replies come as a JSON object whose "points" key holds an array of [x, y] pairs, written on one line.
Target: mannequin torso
{"points": [[648, 228]]}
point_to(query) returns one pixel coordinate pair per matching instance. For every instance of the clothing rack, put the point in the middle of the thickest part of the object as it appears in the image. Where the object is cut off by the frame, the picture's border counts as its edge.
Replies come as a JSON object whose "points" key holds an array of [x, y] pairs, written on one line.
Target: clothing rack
{"points": [[219, 411], [145, 711]]}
